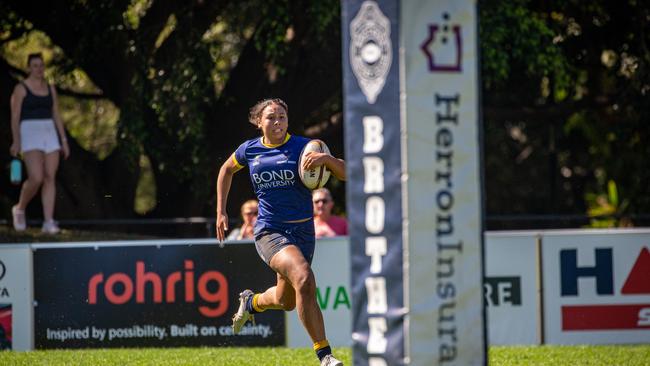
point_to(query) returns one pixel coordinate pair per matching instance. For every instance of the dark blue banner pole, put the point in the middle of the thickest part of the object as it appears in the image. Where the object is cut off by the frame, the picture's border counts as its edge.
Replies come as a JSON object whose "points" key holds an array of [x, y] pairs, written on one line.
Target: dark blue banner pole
{"points": [[374, 190]]}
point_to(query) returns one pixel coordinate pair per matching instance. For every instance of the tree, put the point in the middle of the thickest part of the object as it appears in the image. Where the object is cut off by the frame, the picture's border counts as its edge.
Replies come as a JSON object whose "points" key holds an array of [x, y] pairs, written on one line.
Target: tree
{"points": [[564, 84], [183, 75], [565, 97]]}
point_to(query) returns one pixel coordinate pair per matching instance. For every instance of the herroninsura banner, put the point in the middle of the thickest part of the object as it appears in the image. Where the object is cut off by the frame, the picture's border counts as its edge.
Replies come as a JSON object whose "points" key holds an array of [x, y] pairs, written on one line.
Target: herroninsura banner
{"points": [[374, 188], [414, 183], [149, 296], [444, 210]]}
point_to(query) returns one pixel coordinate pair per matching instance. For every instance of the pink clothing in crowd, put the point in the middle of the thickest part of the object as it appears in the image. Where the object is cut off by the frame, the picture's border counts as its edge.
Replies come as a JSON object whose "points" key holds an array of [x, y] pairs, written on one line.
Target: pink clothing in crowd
{"points": [[335, 226]]}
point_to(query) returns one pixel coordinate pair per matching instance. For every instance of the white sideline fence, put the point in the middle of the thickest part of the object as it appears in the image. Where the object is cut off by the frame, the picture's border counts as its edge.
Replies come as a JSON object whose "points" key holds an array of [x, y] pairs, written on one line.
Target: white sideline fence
{"points": [[541, 287]]}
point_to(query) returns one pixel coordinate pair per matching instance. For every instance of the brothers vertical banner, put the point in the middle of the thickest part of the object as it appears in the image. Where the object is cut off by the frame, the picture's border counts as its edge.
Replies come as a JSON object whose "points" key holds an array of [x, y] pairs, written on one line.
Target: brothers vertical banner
{"points": [[444, 210], [414, 183], [372, 141]]}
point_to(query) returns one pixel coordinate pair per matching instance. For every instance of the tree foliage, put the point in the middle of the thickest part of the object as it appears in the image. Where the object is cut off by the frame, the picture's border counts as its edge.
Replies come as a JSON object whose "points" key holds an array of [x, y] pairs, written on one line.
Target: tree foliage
{"points": [[166, 84], [183, 75], [565, 98]]}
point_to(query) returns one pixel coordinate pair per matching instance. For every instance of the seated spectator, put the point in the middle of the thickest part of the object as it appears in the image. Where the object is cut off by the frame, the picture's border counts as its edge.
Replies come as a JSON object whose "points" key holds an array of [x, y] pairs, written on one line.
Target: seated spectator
{"points": [[249, 218], [325, 223]]}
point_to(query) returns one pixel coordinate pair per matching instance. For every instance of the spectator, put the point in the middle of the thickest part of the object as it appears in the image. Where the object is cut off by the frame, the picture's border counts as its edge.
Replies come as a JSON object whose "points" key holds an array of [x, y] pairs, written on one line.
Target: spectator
{"points": [[38, 134], [249, 218], [325, 223]]}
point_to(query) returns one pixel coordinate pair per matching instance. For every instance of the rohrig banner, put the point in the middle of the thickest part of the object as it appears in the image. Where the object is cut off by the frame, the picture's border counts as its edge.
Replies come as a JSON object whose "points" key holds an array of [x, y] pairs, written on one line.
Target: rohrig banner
{"points": [[149, 296]]}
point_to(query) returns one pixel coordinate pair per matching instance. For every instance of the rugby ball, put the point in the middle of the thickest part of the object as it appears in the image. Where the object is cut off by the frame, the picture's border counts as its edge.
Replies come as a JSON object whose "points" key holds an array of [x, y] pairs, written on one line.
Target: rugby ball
{"points": [[317, 177]]}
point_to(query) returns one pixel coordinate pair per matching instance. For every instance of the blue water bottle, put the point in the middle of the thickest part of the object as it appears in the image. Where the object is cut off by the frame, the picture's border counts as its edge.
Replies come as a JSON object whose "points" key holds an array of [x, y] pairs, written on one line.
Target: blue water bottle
{"points": [[16, 171]]}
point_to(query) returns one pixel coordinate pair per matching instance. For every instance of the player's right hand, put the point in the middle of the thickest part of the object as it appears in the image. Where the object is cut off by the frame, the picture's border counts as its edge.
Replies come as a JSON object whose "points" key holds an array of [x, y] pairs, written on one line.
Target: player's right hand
{"points": [[222, 226]]}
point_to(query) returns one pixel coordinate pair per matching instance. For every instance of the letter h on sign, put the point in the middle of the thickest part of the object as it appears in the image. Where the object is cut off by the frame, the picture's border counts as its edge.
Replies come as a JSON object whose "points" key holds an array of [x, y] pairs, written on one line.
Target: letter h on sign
{"points": [[602, 271]]}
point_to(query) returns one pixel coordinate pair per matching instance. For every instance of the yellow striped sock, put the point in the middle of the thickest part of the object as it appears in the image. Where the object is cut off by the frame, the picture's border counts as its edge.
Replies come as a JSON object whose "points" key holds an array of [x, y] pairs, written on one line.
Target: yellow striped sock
{"points": [[321, 344], [257, 308]]}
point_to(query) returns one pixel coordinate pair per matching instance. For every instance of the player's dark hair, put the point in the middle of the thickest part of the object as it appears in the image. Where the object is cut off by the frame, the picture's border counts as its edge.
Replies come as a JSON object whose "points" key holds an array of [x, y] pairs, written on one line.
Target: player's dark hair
{"points": [[255, 113], [33, 56]]}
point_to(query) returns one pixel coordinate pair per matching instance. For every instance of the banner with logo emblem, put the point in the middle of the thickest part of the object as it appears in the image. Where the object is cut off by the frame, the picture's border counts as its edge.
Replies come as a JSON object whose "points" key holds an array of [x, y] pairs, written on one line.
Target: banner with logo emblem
{"points": [[120, 295], [416, 222], [444, 203], [374, 172]]}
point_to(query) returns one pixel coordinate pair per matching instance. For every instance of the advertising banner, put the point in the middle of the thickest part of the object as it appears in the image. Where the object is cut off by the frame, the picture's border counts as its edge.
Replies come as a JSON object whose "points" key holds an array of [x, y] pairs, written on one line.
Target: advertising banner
{"points": [[331, 267], [16, 311], [410, 75], [511, 288], [596, 286], [374, 185], [443, 175], [149, 296]]}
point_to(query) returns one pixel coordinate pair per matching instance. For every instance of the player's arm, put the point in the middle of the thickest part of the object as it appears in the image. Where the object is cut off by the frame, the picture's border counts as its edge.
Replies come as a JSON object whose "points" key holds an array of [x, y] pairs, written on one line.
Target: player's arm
{"points": [[335, 165], [224, 180]]}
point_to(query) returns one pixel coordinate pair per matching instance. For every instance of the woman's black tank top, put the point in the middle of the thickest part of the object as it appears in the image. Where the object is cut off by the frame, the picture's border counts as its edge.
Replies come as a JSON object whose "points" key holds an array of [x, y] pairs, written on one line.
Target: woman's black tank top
{"points": [[36, 106]]}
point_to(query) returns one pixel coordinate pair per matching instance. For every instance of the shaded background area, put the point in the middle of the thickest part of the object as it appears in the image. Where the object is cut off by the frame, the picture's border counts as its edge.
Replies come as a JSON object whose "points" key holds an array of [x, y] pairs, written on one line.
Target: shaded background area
{"points": [[155, 93]]}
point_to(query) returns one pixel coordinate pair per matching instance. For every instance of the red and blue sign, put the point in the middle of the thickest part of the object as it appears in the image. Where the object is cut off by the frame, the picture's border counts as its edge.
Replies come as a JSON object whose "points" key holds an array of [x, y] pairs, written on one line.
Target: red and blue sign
{"points": [[606, 316]]}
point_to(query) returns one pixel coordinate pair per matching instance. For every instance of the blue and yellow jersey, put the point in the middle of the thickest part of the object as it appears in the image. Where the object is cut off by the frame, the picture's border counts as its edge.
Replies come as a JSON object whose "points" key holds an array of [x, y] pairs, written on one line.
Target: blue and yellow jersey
{"points": [[273, 171]]}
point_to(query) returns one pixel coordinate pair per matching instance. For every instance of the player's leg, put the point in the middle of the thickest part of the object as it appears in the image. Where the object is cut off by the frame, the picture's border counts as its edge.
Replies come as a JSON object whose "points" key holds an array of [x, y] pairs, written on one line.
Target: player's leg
{"points": [[282, 296], [290, 262], [295, 286]]}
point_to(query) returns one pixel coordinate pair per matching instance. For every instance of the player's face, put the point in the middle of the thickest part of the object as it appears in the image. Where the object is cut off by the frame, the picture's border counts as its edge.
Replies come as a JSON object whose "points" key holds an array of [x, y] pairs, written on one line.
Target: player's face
{"points": [[274, 123]]}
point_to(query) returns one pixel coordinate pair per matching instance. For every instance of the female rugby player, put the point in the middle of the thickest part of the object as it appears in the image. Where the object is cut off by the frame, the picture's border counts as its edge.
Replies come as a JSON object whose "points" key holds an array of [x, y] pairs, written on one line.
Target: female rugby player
{"points": [[284, 232]]}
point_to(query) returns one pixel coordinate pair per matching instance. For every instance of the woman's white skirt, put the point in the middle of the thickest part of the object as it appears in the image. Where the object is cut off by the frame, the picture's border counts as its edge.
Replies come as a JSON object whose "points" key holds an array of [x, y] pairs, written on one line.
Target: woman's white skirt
{"points": [[39, 134]]}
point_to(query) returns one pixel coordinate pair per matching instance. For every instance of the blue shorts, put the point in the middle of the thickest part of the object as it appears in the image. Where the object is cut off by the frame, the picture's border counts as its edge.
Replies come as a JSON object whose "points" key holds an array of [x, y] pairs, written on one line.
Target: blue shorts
{"points": [[270, 240]]}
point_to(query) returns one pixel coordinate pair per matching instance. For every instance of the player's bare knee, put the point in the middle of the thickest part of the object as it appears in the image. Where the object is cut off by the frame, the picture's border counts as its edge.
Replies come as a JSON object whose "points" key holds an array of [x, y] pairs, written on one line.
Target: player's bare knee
{"points": [[306, 283]]}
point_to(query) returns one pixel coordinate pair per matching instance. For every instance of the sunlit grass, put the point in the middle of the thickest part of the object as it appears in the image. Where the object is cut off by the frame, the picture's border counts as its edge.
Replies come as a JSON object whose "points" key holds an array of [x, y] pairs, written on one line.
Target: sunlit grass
{"points": [[570, 355], [279, 356], [501, 356]]}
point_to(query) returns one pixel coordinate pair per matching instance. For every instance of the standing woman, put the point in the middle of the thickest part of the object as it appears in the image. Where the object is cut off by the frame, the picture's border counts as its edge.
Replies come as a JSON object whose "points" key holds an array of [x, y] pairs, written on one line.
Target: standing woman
{"points": [[38, 134], [284, 232]]}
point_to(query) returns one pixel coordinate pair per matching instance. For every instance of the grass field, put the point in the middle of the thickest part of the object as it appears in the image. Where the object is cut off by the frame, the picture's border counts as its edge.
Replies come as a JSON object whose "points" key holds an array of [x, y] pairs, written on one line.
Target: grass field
{"points": [[499, 356]]}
